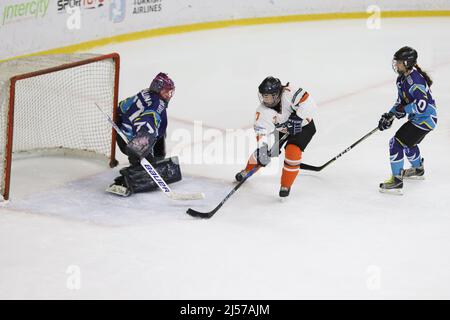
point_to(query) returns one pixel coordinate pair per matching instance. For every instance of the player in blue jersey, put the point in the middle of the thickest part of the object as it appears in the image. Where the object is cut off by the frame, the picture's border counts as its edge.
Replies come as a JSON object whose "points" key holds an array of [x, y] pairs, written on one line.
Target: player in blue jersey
{"points": [[143, 119], [415, 100]]}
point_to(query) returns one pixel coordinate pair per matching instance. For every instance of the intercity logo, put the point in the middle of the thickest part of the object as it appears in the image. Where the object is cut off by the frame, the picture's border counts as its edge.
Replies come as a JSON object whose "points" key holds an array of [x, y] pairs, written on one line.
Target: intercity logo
{"points": [[28, 9], [62, 5]]}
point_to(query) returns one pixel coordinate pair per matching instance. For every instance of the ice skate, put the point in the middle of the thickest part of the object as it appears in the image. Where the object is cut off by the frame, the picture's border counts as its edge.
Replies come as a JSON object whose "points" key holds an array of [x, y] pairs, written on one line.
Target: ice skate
{"points": [[393, 185], [417, 173], [240, 175], [119, 190], [284, 192]]}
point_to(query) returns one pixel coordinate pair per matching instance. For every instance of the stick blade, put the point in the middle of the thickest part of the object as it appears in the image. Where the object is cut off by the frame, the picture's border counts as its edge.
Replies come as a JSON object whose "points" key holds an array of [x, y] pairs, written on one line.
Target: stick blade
{"points": [[186, 196], [198, 214], [305, 166]]}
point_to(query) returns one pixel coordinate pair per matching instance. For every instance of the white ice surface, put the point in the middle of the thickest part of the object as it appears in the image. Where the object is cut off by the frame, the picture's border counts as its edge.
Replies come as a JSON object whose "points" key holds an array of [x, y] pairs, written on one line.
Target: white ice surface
{"points": [[86, 200], [336, 237]]}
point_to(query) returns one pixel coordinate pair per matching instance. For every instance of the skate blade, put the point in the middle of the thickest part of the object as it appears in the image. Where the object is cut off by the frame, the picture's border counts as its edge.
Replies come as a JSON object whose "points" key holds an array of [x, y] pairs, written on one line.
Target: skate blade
{"points": [[118, 190], [397, 192], [414, 178], [283, 199]]}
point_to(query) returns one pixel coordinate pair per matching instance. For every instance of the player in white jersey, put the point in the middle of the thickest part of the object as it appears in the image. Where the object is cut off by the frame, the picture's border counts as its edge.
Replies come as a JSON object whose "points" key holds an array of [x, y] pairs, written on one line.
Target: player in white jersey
{"points": [[283, 108]]}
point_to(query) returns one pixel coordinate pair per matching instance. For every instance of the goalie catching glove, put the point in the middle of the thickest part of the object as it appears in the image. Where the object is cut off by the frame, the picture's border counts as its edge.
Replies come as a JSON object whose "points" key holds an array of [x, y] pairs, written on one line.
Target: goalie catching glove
{"points": [[142, 144]]}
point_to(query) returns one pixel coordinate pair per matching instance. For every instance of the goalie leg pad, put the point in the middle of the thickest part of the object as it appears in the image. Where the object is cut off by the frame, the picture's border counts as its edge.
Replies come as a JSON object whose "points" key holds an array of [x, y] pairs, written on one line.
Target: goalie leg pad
{"points": [[136, 179]]}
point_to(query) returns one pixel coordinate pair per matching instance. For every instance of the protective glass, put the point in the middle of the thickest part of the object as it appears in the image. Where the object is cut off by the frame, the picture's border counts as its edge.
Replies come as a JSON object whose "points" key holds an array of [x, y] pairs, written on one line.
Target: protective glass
{"points": [[269, 100], [395, 64]]}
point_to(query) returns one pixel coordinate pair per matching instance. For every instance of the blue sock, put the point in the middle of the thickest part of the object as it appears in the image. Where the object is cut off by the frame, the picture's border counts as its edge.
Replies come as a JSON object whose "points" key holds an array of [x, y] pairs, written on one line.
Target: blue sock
{"points": [[413, 155], [396, 156]]}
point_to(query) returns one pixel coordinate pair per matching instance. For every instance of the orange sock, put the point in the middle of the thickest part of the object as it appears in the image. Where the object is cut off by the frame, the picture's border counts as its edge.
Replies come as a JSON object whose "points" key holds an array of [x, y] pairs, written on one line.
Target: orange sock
{"points": [[291, 167]]}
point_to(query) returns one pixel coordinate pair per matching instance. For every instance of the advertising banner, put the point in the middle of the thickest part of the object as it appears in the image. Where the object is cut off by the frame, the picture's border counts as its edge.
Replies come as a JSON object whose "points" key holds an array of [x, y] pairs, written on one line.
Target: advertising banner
{"points": [[29, 26]]}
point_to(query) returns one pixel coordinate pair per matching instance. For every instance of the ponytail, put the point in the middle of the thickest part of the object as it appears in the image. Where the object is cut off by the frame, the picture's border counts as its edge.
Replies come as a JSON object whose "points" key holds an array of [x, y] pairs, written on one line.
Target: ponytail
{"points": [[425, 75]]}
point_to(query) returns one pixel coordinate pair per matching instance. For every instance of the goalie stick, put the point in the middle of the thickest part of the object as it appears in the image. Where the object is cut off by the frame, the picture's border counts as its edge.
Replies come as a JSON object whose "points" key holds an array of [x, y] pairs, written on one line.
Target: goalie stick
{"points": [[152, 172], [319, 168], [207, 215]]}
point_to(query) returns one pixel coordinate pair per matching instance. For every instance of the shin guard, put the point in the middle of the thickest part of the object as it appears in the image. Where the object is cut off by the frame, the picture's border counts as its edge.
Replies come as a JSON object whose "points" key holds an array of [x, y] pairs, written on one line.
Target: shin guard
{"points": [[396, 153], [413, 155]]}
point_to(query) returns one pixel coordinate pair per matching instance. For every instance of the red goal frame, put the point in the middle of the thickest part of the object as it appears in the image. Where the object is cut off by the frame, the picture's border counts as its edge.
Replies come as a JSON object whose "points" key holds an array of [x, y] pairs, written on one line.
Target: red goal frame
{"points": [[10, 121]]}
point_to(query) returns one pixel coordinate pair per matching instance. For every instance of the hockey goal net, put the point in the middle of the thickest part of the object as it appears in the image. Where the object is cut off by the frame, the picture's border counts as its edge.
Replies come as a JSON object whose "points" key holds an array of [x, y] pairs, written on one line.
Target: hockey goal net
{"points": [[47, 104]]}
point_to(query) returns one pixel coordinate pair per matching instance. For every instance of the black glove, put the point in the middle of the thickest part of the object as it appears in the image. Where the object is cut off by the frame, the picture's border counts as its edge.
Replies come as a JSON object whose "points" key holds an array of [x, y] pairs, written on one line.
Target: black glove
{"points": [[294, 124], [142, 144], [262, 155], [386, 121]]}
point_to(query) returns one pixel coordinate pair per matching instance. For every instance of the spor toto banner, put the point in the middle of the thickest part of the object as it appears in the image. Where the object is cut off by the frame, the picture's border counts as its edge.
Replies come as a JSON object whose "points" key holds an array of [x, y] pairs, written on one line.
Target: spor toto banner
{"points": [[138, 6], [86, 4], [29, 26]]}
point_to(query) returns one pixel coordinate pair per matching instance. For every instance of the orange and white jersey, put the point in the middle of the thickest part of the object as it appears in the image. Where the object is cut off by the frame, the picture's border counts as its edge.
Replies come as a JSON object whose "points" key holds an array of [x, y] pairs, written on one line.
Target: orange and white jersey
{"points": [[292, 100]]}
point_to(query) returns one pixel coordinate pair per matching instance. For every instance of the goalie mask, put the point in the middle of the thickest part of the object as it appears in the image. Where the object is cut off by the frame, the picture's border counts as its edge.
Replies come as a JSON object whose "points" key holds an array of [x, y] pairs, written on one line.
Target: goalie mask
{"points": [[163, 85], [269, 92]]}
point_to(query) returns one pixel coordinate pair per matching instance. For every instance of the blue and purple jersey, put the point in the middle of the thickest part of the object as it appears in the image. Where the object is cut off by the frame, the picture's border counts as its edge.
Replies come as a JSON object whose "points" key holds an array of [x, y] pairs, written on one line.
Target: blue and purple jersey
{"points": [[144, 110], [414, 98]]}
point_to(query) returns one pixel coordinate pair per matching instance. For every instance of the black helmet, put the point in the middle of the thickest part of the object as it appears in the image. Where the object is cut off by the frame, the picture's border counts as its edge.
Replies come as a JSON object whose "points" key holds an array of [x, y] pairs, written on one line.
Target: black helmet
{"points": [[270, 85], [270, 91], [408, 55]]}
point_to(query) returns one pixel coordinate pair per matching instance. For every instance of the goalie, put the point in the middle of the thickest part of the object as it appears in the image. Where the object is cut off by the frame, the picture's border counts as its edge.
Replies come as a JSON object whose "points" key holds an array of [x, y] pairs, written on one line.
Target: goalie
{"points": [[143, 119]]}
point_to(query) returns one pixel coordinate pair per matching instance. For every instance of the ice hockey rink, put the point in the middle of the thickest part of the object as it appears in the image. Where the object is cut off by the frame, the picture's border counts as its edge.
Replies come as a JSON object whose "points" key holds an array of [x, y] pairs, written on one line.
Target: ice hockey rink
{"points": [[336, 237]]}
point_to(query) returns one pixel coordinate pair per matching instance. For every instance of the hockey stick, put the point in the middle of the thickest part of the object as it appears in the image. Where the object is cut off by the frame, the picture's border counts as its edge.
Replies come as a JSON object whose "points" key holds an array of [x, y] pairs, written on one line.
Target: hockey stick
{"points": [[152, 172], [314, 168], [207, 215]]}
